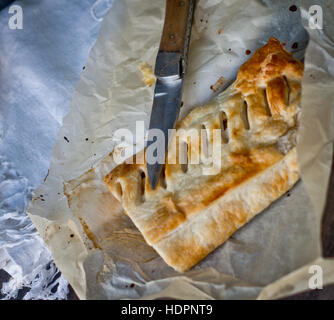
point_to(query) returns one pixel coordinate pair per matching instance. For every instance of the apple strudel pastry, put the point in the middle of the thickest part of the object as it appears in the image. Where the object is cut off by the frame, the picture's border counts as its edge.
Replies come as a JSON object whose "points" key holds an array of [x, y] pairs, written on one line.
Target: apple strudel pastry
{"points": [[190, 213]]}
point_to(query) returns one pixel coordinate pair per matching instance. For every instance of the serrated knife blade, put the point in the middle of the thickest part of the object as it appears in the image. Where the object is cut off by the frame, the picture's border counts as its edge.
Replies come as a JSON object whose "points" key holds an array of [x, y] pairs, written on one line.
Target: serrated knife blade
{"points": [[170, 70]]}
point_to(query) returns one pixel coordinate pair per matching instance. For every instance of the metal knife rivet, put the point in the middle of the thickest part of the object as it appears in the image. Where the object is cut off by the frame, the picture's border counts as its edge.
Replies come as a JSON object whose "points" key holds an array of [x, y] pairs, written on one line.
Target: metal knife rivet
{"points": [[171, 36]]}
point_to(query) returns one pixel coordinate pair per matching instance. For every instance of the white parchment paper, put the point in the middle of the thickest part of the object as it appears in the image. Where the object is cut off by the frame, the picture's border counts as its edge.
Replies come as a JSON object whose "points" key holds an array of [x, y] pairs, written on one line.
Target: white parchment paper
{"points": [[94, 244], [317, 130]]}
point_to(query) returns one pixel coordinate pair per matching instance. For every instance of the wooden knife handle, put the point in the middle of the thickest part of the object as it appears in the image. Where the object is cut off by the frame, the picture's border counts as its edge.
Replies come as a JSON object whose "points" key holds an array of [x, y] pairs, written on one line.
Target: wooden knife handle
{"points": [[176, 31]]}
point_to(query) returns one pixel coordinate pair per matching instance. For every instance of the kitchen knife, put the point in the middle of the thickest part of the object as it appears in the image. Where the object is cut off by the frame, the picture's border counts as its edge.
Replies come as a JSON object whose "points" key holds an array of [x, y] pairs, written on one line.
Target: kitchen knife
{"points": [[170, 69]]}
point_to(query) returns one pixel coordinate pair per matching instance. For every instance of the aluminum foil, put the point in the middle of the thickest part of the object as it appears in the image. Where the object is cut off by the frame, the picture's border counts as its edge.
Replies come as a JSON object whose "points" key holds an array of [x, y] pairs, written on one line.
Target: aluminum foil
{"points": [[40, 66]]}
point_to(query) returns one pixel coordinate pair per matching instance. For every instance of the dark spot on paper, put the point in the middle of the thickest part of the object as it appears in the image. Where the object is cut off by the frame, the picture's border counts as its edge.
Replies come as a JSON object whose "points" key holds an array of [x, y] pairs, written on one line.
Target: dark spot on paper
{"points": [[211, 87], [86, 139], [293, 8], [220, 31], [294, 45], [72, 235], [288, 194], [41, 196], [194, 82], [42, 199], [132, 285], [229, 49], [66, 139], [181, 103], [83, 68], [248, 52], [201, 20], [126, 286]]}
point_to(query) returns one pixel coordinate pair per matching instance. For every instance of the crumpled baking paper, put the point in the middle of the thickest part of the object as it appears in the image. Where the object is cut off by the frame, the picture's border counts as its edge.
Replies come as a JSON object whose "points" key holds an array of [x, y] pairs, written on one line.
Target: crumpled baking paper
{"points": [[316, 136], [317, 131], [94, 244]]}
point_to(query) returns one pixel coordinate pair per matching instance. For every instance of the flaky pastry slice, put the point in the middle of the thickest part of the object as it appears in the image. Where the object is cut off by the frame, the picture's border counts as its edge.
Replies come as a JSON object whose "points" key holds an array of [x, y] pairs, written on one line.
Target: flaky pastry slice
{"points": [[191, 213]]}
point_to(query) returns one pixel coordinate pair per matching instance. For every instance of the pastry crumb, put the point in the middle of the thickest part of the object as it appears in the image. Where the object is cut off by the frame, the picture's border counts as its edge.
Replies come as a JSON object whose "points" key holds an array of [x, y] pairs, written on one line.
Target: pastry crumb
{"points": [[148, 76], [218, 85]]}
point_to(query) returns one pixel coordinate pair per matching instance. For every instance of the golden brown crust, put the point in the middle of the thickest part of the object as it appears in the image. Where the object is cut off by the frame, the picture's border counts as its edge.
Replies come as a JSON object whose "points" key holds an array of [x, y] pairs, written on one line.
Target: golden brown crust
{"points": [[255, 115], [189, 245], [269, 62]]}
